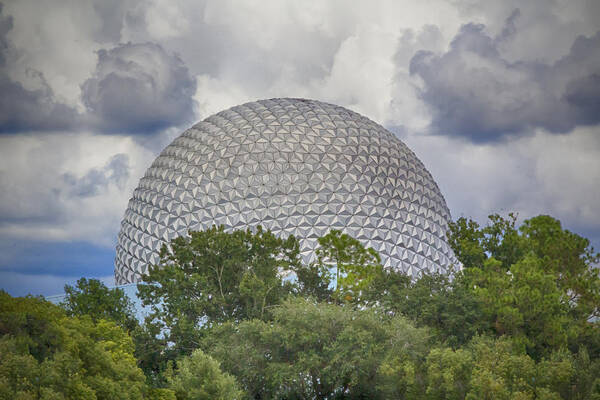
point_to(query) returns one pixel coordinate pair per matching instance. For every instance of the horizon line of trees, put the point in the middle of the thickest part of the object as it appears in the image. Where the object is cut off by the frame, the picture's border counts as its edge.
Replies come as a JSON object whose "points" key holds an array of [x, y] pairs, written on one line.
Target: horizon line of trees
{"points": [[520, 320]]}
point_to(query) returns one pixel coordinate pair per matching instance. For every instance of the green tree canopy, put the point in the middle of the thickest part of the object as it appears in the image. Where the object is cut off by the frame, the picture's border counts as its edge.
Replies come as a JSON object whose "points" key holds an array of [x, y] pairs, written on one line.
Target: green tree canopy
{"points": [[91, 297], [489, 368], [354, 265], [199, 377], [321, 351], [537, 282], [519, 321], [444, 304], [342, 262], [207, 278], [47, 355]]}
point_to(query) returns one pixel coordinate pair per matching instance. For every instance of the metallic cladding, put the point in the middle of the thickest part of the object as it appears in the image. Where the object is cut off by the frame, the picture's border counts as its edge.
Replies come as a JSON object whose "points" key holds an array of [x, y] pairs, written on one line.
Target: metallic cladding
{"points": [[294, 166]]}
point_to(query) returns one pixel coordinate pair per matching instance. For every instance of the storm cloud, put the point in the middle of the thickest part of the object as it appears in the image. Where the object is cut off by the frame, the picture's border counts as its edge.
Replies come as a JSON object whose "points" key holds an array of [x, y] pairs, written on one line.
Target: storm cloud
{"points": [[115, 171], [29, 110], [475, 92], [139, 88], [24, 109]]}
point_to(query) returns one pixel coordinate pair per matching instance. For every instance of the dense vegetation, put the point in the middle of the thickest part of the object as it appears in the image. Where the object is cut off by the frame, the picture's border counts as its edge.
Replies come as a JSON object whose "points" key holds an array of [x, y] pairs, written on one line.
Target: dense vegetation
{"points": [[521, 320]]}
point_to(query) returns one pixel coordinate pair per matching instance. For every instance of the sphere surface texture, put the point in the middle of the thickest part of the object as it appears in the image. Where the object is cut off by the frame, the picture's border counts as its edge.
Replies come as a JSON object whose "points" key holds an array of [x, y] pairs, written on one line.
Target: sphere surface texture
{"points": [[294, 166]]}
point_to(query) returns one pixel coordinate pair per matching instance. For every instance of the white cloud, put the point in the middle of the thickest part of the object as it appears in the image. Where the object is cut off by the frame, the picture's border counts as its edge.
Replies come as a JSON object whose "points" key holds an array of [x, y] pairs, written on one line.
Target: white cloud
{"points": [[324, 50], [214, 95], [61, 46], [37, 200], [164, 19], [139, 88], [547, 27], [540, 174]]}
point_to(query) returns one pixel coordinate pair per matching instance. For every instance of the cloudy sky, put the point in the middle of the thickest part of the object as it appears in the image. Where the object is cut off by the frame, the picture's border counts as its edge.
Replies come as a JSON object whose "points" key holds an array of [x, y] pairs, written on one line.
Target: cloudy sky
{"points": [[499, 99]]}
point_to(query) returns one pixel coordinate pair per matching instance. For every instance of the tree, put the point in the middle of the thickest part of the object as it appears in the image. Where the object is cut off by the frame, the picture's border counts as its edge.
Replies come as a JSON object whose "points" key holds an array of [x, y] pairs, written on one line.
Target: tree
{"points": [[538, 282], [47, 355], [490, 368], [387, 290], [525, 303], [321, 351], [449, 373], [199, 377], [211, 277], [570, 258], [91, 297], [465, 236], [503, 371], [500, 239], [443, 303], [314, 280], [354, 265]]}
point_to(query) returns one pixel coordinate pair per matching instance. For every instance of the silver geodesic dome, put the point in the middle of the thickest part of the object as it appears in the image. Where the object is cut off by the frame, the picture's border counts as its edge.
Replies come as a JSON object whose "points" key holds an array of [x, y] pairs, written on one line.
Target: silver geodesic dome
{"points": [[294, 166]]}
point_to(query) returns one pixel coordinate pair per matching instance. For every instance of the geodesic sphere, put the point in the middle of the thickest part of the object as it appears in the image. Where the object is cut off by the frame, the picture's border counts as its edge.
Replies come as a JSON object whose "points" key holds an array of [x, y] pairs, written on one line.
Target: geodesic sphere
{"points": [[294, 166]]}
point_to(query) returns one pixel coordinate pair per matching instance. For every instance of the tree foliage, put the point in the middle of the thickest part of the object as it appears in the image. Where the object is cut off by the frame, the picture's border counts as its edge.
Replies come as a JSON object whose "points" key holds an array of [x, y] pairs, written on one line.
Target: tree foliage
{"points": [[321, 351], [92, 298], [344, 269], [216, 276], [537, 283], [519, 321], [199, 377], [47, 355], [444, 304], [489, 368], [525, 302], [354, 266], [207, 278]]}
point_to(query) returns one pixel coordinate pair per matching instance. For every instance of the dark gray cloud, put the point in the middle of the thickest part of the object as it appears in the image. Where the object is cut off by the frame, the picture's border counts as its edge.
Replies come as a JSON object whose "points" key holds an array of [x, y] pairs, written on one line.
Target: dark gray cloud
{"points": [[28, 110], [22, 109], [135, 88], [6, 24], [115, 171], [476, 93], [139, 88]]}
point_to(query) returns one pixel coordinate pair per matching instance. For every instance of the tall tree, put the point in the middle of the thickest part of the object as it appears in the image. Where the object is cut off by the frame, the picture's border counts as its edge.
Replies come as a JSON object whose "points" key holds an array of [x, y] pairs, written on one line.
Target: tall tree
{"points": [[322, 351], [445, 304], [354, 266], [465, 236], [524, 303], [47, 355], [199, 377], [570, 258], [214, 276], [93, 298], [538, 282]]}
